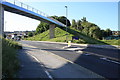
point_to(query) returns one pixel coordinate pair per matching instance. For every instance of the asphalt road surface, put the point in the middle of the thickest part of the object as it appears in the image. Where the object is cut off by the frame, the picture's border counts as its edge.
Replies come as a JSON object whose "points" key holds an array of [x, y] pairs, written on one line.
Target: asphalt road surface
{"points": [[100, 65]]}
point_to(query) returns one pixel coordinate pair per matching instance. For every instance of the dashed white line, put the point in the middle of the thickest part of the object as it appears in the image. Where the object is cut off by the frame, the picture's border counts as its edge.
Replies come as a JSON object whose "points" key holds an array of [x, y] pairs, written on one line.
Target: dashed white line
{"points": [[104, 58], [43, 67], [49, 75], [87, 54], [110, 60]]}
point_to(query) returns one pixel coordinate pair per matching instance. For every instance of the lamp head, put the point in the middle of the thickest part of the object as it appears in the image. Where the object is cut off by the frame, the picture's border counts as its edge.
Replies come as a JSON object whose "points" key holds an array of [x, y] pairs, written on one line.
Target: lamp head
{"points": [[65, 6]]}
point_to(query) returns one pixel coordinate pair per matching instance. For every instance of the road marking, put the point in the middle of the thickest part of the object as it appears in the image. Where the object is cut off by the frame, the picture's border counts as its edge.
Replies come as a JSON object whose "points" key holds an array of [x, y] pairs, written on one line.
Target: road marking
{"points": [[101, 55], [80, 52], [73, 49], [103, 58], [87, 54], [22, 65], [110, 60], [48, 74], [85, 69]]}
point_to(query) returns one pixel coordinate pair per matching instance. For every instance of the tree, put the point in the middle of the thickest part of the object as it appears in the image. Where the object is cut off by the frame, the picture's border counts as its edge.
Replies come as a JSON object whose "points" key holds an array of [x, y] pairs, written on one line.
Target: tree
{"points": [[74, 25], [42, 27], [30, 34], [5, 35], [62, 19], [104, 33], [45, 26], [95, 32], [84, 19], [85, 31], [79, 26], [109, 32], [55, 17]]}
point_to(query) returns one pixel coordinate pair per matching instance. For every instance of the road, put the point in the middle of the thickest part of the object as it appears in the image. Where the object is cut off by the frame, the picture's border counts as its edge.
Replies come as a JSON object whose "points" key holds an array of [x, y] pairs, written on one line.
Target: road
{"points": [[100, 65]]}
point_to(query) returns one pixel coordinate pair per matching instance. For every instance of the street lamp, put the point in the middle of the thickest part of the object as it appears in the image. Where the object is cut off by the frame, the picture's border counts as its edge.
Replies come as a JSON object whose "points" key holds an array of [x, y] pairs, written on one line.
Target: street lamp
{"points": [[5, 26], [66, 23]]}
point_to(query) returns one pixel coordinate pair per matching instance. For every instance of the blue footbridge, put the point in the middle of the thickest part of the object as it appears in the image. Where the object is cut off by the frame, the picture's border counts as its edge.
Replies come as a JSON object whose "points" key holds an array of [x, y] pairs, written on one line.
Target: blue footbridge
{"points": [[20, 8]]}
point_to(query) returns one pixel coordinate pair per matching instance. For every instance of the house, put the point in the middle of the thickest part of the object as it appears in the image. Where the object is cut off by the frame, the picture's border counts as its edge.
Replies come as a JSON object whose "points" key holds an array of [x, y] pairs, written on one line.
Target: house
{"points": [[115, 32]]}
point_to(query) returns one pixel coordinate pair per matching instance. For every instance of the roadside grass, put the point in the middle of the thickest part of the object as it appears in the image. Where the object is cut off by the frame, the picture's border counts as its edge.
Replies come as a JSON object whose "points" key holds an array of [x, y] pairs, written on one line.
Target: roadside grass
{"points": [[40, 37], [10, 63], [60, 36], [112, 42], [83, 39]]}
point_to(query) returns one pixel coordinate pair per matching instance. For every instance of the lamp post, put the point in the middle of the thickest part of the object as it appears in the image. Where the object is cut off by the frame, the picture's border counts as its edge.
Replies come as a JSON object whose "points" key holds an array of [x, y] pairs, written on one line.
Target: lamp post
{"points": [[5, 26], [66, 23]]}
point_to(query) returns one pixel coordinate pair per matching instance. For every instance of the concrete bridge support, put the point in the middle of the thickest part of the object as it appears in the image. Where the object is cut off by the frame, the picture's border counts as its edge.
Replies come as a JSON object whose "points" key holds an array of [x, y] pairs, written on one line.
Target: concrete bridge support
{"points": [[1, 20], [1, 34], [52, 31]]}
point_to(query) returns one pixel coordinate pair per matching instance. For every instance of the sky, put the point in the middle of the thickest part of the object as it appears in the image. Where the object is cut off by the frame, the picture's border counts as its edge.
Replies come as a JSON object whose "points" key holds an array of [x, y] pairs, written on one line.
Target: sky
{"points": [[104, 14]]}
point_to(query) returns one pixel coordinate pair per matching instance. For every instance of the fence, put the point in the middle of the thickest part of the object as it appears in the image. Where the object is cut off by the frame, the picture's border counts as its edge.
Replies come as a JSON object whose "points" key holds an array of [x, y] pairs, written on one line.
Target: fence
{"points": [[23, 5]]}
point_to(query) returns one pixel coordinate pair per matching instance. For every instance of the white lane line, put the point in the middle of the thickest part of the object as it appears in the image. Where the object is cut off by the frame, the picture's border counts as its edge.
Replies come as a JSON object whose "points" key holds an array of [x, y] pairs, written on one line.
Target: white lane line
{"points": [[87, 54], [103, 58], [43, 67], [73, 49], [110, 60], [80, 51], [49, 75]]}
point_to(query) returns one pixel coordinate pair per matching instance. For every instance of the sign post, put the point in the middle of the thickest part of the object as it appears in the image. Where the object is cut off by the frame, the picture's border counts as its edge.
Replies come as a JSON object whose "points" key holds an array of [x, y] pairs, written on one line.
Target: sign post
{"points": [[69, 43]]}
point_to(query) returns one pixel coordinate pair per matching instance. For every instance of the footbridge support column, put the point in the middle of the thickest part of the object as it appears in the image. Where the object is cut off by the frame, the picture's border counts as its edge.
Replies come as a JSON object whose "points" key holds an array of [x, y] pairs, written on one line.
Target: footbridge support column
{"points": [[52, 31], [1, 34], [1, 20]]}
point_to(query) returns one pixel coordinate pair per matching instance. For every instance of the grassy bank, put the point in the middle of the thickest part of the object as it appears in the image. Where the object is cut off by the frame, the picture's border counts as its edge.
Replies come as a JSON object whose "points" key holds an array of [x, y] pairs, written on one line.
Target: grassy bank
{"points": [[10, 63], [112, 42], [60, 36]]}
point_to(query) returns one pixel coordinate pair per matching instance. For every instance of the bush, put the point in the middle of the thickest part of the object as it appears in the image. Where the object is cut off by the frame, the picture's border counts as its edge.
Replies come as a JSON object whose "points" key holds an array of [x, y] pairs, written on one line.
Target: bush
{"points": [[30, 34]]}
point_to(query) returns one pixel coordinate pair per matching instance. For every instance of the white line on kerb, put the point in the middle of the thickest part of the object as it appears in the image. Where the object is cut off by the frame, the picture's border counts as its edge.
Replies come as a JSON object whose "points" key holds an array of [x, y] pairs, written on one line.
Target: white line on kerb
{"points": [[42, 66], [110, 60]]}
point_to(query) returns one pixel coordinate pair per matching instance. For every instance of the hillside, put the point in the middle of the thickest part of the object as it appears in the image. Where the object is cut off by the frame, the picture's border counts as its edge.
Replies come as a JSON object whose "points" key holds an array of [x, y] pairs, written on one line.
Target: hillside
{"points": [[60, 36]]}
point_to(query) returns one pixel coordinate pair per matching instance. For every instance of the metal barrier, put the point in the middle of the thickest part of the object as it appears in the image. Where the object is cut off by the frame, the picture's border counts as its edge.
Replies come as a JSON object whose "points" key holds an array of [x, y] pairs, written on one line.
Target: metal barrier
{"points": [[21, 4], [25, 6]]}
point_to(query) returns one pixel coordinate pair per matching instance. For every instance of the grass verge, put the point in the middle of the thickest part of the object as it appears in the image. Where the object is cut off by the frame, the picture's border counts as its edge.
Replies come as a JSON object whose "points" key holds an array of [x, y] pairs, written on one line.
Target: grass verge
{"points": [[112, 42], [60, 36], [10, 63]]}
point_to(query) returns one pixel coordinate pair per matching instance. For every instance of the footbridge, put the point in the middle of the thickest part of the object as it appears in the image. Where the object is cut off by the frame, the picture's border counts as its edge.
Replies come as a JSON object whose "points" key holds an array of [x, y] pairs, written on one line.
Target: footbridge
{"points": [[20, 8]]}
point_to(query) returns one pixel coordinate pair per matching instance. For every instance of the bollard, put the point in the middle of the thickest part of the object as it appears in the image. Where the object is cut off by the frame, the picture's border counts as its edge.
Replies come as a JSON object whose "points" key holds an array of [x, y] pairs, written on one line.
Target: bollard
{"points": [[69, 43]]}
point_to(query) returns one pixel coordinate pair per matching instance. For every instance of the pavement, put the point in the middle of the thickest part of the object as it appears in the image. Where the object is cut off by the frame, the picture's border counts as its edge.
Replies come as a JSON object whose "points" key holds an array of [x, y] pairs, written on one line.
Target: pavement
{"points": [[37, 63], [30, 68]]}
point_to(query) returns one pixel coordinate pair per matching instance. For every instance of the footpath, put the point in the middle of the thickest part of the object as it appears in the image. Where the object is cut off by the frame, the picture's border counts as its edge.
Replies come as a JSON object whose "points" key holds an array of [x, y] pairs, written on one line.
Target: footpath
{"points": [[29, 67], [36, 63]]}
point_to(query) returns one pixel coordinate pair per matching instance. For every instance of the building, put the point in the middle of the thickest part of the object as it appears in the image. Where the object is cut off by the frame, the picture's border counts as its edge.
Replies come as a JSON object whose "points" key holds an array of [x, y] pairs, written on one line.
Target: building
{"points": [[115, 32]]}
